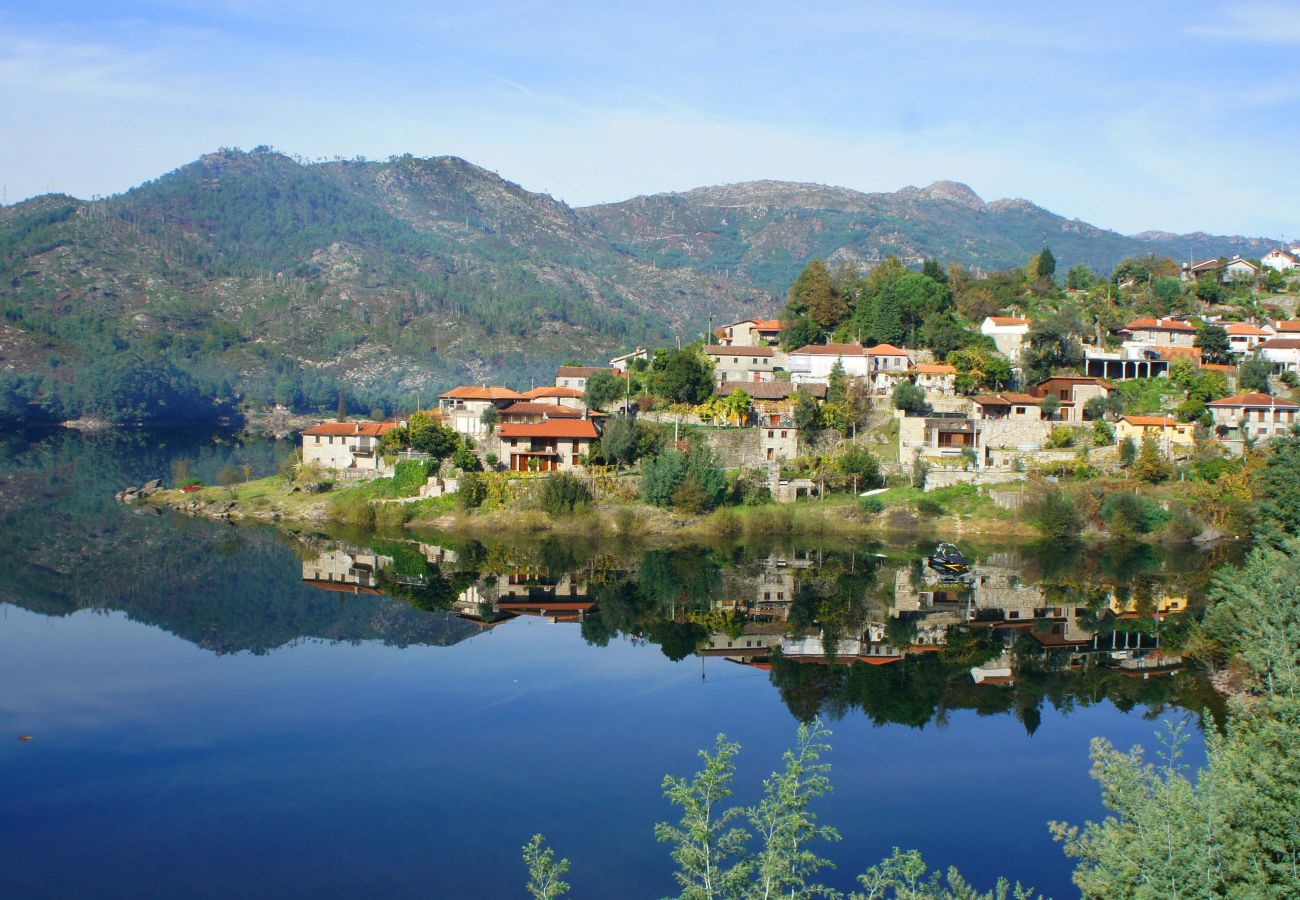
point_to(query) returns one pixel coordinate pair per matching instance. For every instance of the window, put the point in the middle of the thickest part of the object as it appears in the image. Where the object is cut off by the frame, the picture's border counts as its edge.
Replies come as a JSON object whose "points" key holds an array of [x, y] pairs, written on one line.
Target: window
{"points": [[771, 434], [783, 434], [1020, 410]]}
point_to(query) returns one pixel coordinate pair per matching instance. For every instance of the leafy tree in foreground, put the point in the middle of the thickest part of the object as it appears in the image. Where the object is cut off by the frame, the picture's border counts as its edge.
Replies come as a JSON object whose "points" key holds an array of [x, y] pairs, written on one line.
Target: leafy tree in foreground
{"points": [[1253, 374], [909, 396], [1277, 487], [618, 440], [604, 388], [544, 873], [1213, 343]]}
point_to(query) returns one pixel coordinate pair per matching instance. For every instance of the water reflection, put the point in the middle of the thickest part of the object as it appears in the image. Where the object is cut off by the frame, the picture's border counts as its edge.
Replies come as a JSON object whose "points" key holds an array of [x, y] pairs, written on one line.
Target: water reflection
{"points": [[867, 629]]}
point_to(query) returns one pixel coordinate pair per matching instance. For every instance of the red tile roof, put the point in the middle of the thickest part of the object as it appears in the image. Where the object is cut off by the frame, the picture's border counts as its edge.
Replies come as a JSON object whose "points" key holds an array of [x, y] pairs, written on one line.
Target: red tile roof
{"points": [[1150, 421], [886, 350], [550, 410], [340, 586], [715, 350], [1281, 344], [481, 392], [1286, 325], [934, 369], [770, 390], [1160, 325], [1082, 379], [1253, 400], [1007, 400], [1008, 320], [553, 391], [557, 428], [1243, 328], [833, 349], [1171, 352], [368, 429], [584, 371]]}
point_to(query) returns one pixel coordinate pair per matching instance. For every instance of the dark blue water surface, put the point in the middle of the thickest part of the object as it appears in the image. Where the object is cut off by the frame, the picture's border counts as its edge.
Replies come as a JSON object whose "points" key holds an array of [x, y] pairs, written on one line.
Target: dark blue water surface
{"points": [[207, 720]]}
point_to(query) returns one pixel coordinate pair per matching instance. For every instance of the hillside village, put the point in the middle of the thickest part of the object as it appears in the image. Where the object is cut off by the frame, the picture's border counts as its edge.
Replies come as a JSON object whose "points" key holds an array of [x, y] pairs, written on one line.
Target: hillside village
{"points": [[817, 401]]}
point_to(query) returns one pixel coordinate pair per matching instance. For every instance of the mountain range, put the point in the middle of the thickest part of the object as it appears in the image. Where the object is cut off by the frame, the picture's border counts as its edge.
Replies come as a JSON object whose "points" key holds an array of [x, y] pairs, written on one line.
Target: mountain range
{"points": [[259, 274]]}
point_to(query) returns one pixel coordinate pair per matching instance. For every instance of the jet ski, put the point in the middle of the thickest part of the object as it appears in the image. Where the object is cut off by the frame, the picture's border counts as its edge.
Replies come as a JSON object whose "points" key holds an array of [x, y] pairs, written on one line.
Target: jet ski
{"points": [[948, 560]]}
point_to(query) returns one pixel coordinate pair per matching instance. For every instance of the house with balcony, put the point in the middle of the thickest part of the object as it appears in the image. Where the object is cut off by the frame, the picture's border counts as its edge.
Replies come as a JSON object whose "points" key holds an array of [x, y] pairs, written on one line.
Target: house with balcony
{"points": [[1160, 333], [773, 401], [1072, 392], [346, 445], [1244, 337], [462, 408], [553, 445], [1252, 415]]}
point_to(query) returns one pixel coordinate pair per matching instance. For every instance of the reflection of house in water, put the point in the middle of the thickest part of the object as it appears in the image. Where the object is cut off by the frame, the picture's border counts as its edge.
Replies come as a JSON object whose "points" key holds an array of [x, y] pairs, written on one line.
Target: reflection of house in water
{"points": [[339, 570], [755, 643], [525, 592], [812, 648]]}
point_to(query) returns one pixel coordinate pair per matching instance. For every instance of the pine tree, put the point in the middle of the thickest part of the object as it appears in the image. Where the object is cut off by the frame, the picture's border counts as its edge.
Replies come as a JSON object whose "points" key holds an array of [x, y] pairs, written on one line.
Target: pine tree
{"points": [[1046, 264]]}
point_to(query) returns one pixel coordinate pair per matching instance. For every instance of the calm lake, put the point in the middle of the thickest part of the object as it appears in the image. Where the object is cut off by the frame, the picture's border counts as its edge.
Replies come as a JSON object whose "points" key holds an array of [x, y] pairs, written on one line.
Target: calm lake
{"points": [[238, 711]]}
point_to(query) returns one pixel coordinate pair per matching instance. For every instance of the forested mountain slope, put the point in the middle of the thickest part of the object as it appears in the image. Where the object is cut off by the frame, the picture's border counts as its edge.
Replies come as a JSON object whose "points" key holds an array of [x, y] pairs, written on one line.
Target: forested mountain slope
{"points": [[251, 276]]}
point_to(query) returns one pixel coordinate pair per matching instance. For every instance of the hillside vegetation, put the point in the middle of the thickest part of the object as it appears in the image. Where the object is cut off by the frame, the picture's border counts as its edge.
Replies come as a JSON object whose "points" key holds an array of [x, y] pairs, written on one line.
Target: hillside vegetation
{"points": [[252, 278]]}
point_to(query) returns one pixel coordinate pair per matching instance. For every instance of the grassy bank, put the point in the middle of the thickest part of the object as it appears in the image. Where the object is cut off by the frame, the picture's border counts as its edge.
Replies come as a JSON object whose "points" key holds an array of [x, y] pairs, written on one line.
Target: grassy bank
{"points": [[387, 503]]}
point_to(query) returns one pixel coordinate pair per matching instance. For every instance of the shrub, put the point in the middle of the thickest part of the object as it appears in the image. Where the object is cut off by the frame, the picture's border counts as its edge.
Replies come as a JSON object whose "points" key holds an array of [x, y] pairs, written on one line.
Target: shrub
{"points": [[689, 495], [389, 515], [1056, 516], [750, 488], [1183, 526], [1151, 465], [1061, 437], [920, 469], [472, 491], [409, 476], [563, 495], [660, 476], [464, 459], [872, 506], [627, 520], [858, 460], [1127, 515], [929, 507], [1127, 452], [353, 508]]}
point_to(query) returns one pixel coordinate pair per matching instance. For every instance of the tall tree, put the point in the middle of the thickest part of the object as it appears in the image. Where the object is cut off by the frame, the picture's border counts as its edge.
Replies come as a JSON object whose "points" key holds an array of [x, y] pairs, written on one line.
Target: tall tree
{"points": [[813, 295], [1213, 343], [1045, 265]]}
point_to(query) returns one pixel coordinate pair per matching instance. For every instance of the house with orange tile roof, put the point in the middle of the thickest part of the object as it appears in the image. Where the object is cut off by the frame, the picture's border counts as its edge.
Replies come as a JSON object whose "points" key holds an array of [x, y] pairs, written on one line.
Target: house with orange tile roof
{"points": [[812, 363], [1283, 328], [1252, 415], [564, 396], [935, 378], [749, 333], [1160, 332], [1280, 260], [1243, 337], [345, 446], [554, 445], [1008, 334], [462, 408], [1164, 429], [1072, 392], [530, 412]]}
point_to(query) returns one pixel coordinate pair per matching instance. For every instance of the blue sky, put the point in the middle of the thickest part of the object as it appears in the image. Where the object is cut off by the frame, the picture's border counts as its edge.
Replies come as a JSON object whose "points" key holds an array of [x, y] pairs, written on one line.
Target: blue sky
{"points": [[1177, 116]]}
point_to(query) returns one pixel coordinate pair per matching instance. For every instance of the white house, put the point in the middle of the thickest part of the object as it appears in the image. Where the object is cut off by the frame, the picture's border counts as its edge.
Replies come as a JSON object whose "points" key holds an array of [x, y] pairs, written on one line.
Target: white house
{"points": [[1280, 260], [1283, 353], [1239, 269], [1243, 337], [1008, 333], [576, 376], [620, 363], [462, 407], [813, 363], [345, 445]]}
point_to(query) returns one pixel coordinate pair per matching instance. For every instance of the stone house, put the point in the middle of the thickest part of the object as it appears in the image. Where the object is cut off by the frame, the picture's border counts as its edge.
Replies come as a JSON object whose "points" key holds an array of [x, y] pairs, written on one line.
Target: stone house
{"points": [[530, 412], [554, 445], [773, 400], [749, 332], [741, 363], [1160, 332], [345, 445], [576, 376], [1252, 415], [1073, 392]]}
